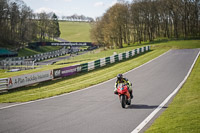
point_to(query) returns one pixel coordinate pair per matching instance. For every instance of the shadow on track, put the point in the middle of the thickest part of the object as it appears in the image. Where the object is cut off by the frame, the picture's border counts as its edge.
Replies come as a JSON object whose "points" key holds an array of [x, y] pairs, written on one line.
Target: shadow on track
{"points": [[142, 106]]}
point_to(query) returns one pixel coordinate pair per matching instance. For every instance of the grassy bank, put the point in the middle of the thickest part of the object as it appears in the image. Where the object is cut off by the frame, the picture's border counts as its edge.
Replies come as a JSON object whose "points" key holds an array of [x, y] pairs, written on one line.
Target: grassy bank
{"points": [[41, 49], [178, 44], [75, 31], [183, 114]]}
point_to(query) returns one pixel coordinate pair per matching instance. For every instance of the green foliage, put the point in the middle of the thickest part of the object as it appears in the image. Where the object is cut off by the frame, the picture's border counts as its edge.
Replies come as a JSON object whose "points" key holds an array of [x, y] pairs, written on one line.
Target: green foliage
{"points": [[55, 28]]}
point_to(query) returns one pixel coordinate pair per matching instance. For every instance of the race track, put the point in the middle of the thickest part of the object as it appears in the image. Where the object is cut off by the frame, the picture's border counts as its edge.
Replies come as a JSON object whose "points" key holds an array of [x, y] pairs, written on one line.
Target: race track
{"points": [[96, 109]]}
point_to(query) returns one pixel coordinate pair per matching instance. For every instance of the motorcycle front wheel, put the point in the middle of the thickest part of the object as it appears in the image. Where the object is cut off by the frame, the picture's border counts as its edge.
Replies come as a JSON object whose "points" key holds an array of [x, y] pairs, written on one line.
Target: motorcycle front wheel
{"points": [[123, 101]]}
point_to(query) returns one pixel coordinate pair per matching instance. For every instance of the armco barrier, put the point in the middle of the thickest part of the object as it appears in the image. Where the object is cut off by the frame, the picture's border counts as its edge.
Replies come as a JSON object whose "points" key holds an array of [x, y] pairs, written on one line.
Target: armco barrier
{"points": [[112, 59], [97, 63], [23, 80]]}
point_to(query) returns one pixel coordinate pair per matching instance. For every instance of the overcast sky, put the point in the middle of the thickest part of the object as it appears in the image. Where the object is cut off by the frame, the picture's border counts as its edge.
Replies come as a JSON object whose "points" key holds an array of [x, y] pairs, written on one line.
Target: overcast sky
{"points": [[89, 8]]}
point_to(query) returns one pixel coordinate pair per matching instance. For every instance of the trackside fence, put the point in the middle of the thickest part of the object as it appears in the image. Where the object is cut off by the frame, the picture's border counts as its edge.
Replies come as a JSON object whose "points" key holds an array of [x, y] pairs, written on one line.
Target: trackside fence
{"points": [[32, 78]]}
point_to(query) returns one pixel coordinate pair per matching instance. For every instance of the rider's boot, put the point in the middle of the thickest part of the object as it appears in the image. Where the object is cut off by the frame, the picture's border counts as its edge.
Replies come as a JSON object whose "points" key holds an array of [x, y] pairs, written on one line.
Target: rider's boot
{"points": [[115, 92]]}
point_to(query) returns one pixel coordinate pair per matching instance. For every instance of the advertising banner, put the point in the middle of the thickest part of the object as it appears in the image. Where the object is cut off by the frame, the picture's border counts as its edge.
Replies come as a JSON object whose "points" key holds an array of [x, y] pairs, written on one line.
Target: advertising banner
{"points": [[23, 80], [67, 71], [36, 44]]}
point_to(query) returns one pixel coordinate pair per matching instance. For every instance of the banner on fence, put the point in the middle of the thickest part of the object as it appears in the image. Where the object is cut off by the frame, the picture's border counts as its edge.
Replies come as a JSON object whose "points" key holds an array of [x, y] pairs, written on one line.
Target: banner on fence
{"points": [[23, 80], [36, 44], [67, 71]]}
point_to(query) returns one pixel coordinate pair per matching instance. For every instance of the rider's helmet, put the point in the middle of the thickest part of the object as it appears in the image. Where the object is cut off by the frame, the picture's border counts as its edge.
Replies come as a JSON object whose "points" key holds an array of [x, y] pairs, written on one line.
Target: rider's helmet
{"points": [[119, 77]]}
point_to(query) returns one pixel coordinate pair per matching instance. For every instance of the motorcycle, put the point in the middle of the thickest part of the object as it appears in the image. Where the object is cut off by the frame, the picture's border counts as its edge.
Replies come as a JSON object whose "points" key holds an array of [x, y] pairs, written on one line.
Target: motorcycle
{"points": [[124, 95]]}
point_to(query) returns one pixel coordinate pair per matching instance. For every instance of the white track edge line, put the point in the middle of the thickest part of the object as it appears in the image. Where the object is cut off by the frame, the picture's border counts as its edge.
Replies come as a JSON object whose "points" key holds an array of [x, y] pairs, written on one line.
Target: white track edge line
{"points": [[143, 123], [81, 89]]}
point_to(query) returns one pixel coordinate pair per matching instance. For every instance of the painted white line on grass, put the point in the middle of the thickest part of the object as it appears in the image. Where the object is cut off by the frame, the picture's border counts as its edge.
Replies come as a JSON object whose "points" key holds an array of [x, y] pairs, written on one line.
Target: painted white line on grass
{"points": [[81, 89], [143, 123]]}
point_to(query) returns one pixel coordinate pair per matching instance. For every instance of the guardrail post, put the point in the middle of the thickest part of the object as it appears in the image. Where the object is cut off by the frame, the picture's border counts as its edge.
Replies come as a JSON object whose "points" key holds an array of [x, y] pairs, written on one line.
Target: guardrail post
{"points": [[123, 56], [130, 53], [84, 67], [97, 64], [108, 60], [116, 57]]}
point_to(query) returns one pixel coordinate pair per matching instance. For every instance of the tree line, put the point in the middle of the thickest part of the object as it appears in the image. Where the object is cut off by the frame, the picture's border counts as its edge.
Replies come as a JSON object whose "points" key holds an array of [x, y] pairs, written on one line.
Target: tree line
{"points": [[146, 20], [76, 17], [20, 25]]}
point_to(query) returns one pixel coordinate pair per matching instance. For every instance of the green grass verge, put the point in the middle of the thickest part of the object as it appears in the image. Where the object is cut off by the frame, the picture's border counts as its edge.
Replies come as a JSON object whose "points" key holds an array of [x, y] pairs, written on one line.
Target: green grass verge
{"points": [[42, 49], [183, 114], [26, 52], [178, 44], [75, 31], [174, 44]]}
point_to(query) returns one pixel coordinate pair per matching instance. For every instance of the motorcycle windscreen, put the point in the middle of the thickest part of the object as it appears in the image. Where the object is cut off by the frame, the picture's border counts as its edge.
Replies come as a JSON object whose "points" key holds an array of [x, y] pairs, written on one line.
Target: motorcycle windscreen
{"points": [[120, 86]]}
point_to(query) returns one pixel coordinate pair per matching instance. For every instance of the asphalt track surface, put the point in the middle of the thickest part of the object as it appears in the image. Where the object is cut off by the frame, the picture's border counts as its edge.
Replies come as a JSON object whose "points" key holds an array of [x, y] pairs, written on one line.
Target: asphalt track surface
{"points": [[96, 109]]}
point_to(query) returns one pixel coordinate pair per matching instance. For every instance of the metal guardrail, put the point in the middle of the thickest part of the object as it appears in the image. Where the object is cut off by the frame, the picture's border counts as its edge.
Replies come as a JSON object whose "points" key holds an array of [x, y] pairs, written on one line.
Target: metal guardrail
{"points": [[112, 59]]}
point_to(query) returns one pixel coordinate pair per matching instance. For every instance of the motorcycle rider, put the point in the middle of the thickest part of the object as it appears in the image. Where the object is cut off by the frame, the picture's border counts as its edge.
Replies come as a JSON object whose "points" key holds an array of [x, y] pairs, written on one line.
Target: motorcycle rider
{"points": [[120, 79]]}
